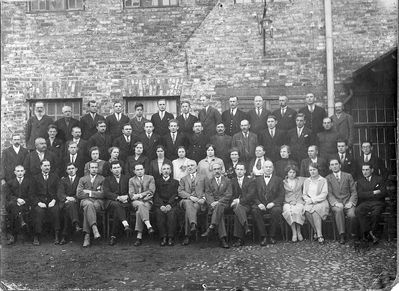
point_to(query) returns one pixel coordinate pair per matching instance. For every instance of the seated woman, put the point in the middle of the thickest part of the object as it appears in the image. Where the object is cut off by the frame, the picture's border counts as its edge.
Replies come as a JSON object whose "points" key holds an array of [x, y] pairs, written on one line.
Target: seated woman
{"points": [[232, 163], [114, 156], [255, 168], [180, 164], [137, 158], [293, 210], [95, 157], [156, 165], [281, 165], [315, 191], [205, 165]]}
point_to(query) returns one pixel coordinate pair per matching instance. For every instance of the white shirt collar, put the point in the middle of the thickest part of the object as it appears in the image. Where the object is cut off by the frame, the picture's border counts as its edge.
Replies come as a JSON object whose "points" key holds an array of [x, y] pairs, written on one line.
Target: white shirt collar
{"points": [[234, 111], [311, 107], [16, 149]]}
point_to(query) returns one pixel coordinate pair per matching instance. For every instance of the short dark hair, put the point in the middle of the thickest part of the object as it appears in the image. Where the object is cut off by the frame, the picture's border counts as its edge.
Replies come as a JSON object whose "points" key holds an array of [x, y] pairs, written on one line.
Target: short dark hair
{"points": [[208, 145], [101, 121], [91, 102], [139, 164], [70, 164], [367, 141], [334, 159], [241, 164], [272, 116], [137, 105], [367, 164], [115, 163], [44, 160], [52, 126], [289, 167], [342, 140], [92, 149]]}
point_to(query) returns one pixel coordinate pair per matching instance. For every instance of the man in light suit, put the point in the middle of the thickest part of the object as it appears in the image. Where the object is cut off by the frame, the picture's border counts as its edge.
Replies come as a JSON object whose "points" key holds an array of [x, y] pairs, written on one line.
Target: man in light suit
{"points": [[208, 116], [186, 119], [12, 157], [343, 123], [91, 195], [299, 139], [66, 123], [245, 141], [272, 139], [342, 197], [125, 142], [257, 117], [173, 139], [88, 122], [160, 120], [269, 199], [116, 121], [285, 115], [232, 117], [313, 157], [32, 162], [192, 193], [37, 126], [138, 120], [218, 194], [141, 192]]}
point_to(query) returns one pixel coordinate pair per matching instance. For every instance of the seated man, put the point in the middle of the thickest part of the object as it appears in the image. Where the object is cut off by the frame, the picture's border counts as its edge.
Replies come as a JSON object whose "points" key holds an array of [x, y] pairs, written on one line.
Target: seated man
{"points": [[17, 204], [342, 197], [90, 192], [116, 190], [268, 199], [141, 191], [371, 191], [218, 195], [192, 193], [244, 190], [165, 202], [313, 157], [68, 203], [43, 194]]}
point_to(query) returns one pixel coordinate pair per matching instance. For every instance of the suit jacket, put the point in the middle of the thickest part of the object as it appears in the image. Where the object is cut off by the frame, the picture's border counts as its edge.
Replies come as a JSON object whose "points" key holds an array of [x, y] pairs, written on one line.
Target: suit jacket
{"points": [[209, 120], [147, 189], [272, 192], [221, 193], [113, 189], [88, 125], [247, 193], [272, 144], [125, 149], [222, 145], [258, 124], [58, 148], [154, 169], [348, 165], [9, 160], [150, 144], [232, 123], [304, 171], [96, 187], [342, 191], [138, 126], [161, 126], [14, 190], [345, 126], [107, 168], [188, 188], [365, 189], [79, 163], [246, 150], [299, 145], [103, 142], [114, 127], [377, 163], [66, 188], [36, 128], [166, 192], [64, 129], [327, 142], [196, 146], [43, 191], [32, 163], [314, 120], [131, 162], [82, 148], [170, 147], [186, 126], [286, 122]]}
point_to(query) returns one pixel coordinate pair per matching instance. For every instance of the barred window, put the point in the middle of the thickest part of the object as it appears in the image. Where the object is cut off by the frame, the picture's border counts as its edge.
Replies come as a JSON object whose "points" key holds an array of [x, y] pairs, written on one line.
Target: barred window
{"points": [[55, 5], [53, 107], [149, 3]]}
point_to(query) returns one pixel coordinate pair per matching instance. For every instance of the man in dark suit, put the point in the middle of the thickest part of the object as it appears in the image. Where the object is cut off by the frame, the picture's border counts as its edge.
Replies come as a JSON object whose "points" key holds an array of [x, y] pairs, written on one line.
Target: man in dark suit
{"points": [[138, 120], [245, 141], [125, 142], [32, 162], [116, 121], [150, 141], [222, 143], [12, 157], [327, 140], [88, 122], [343, 123], [186, 119], [313, 114], [165, 205], [313, 157], [371, 158], [68, 202], [116, 191], [173, 140], [218, 194], [160, 120], [55, 145], [299, 139], [285, 115], [100, 139], [43, 194], [244, 191], [66, 123], [371, 191], [208, 116], [82, 143], [342, 197], [272, 139], [74, 156], [37, 126], [269, 199], [17, 202], [197, 142], [232, 117], [348, 164], [257, 117]]}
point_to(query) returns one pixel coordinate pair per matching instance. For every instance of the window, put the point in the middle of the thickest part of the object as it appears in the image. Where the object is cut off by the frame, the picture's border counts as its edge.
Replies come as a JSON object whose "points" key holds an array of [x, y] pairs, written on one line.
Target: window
{"points": [[55, 5], [149, 3], [53, 107], [151, 106]]}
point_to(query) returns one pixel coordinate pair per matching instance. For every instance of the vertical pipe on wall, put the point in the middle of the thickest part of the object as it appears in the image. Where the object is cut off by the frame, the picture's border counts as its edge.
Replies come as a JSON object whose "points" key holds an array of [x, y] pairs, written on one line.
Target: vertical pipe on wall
{"points": [[329, 56]]}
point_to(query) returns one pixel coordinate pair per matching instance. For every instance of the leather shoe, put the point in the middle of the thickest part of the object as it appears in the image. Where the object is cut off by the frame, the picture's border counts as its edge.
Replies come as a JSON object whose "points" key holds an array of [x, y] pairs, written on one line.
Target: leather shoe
{"points": [[208, 231], [238, 243], [373, 237], [263, 242], [342, 239], [150, 231], [137, 242], [186, 241], [128, 231], [224, 244], [63, 241], [112, 241], [163, 242], [57, 238], [86, 240], [11, 240], [36, 241], [272, 241], [171, 242]]}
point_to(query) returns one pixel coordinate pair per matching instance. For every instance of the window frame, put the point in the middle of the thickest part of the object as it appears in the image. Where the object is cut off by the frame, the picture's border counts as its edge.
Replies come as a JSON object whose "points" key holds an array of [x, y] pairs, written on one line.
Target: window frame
{"points": [[66, 8], [146, 7], [63, 101]]}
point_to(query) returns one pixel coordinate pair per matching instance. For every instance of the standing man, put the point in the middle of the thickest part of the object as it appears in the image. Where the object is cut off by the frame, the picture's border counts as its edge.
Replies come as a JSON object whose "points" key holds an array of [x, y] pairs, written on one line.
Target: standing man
{"points": [[346, 159], [116, 121], [66, 123], [138, 120], [197, 142], [75, 157], [173, 139], [160, 120], [218, 194], [367, 156], [343, 123], [101, 140], [37, 126], [245, 141], [186, 119], [208, 116], [88, 122], [272, 139], [257, 117], [55, 144], [313, 114], [125, 142], [12, 157], [150, 141], [81, 143], [285, 115], [342, 197], [327, 140], [313, 157], [232, 117], [299, 139], [32, 163], [222, 143]]}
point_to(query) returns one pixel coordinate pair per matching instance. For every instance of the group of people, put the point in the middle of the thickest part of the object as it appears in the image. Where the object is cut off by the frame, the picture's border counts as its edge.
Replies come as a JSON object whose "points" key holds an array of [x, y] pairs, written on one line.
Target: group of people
{"points": [[288, 164]]}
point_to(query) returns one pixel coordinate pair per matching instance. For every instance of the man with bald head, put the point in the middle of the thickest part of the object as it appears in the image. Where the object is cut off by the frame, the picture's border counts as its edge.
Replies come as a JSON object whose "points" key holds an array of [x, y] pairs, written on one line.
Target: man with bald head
{"points": [[32, 163], [65, 124], [37, 126], [257, 117]]}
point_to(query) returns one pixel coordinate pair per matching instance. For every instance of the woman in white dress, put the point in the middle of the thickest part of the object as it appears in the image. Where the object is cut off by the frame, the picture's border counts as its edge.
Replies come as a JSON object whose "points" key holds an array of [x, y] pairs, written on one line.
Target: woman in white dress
{"points": [[180, 164], [293, 208], [205, 165], [315, 192]]}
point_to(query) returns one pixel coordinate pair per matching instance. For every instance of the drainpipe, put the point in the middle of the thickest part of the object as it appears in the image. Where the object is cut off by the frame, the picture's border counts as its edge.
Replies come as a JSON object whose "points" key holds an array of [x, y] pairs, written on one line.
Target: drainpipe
{"points": [[330, 57]]}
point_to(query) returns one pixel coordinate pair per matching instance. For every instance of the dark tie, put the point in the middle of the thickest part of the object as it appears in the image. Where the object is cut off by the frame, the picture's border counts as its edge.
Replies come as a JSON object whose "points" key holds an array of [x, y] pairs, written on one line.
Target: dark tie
{"points": [[192, 183], [259, 164], [71, 180]]}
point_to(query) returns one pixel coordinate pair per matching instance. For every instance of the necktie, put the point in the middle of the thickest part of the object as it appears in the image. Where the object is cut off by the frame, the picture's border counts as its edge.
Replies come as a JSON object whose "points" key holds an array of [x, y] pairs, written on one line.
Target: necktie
{"points": [[366, 158], [337, 176], [20, 180], [240, 182], [149, 136], [218, 181], [161, 114], [342, 158], [282, 111], [71, 178], [45, 177], [259, 112], [192, 182], [259, 164], [232, 112], [299, 132], [272, 132], [173, 137], [185, 116], [72, 158], [128, 139], [41, 156]]}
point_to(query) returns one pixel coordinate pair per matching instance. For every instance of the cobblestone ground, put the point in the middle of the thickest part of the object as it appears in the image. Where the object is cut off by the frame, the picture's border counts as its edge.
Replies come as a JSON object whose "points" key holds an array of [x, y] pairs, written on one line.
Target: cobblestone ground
{"points": [[284, 266]]}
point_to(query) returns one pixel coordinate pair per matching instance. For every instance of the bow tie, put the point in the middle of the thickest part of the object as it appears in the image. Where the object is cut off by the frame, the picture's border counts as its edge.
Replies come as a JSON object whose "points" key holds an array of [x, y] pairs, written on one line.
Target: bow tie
{"points": [[268, 177]]}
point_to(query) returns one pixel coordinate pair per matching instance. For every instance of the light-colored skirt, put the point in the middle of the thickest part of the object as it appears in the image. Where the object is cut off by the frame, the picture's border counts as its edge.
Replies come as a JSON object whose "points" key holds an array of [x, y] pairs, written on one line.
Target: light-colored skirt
{"points": [[294, 213], [321, 208]]}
